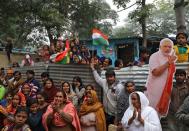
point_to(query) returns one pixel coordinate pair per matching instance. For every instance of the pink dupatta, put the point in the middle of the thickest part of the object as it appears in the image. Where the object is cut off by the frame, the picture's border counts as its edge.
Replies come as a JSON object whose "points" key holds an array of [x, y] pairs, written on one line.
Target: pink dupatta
{"points": [[57, 120]]}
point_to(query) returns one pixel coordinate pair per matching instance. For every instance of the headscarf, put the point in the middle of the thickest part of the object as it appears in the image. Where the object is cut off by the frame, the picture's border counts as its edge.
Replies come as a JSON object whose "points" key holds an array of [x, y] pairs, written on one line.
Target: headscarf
{"points": [[144, 104], [50, 92], [97, 108], [148, 114], [143, 100]]}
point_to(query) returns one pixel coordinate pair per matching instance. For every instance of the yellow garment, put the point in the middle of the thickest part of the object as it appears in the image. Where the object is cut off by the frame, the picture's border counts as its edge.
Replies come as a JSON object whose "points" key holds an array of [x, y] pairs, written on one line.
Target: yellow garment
{"points": [[3, 110], [97, 108], [12, 85], [181, 57]]}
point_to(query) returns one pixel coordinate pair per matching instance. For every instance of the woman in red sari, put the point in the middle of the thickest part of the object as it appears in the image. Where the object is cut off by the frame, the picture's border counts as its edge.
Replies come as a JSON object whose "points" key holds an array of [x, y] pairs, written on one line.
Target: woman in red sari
{"points": [[61, 115]]}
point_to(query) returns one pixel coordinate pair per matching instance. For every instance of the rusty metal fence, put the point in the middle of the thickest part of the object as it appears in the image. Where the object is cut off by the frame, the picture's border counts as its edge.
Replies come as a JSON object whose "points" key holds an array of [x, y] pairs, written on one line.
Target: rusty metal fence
{"points": [[139, 74], [60, 73], [66, 73]]}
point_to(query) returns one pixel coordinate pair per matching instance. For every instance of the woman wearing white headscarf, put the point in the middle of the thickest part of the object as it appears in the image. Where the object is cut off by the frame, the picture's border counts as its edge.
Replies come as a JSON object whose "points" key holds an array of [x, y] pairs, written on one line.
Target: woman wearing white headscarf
{"points": [[160, 78], [140, 116]]}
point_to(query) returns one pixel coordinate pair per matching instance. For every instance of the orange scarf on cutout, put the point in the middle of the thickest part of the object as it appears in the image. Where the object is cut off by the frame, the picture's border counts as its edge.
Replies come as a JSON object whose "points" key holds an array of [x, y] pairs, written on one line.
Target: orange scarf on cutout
{"points": [[163, 105]]}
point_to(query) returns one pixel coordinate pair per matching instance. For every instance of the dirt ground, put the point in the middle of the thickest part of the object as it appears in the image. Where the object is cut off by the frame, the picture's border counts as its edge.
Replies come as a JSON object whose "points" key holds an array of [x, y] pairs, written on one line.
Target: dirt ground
{"points": [[14, 57]]}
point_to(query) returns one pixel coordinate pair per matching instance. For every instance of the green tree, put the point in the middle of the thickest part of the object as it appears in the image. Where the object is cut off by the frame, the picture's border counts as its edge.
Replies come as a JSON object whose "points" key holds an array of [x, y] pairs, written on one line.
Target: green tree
{"points": [[130, 29], [92, 14], [18, 18], [179, 7], [187, 18], [161, 22], [140, 14]]}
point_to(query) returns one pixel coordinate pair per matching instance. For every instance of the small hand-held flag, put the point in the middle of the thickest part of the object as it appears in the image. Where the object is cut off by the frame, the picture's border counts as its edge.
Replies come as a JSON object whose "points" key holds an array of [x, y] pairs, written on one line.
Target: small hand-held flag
{"points": [[63, 56]]}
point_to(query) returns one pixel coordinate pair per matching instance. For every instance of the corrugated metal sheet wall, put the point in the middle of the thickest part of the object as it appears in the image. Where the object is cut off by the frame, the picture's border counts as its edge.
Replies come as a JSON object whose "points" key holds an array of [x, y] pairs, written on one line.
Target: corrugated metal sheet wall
{"points": [[61, 73], [67, 72], [139, 74]]}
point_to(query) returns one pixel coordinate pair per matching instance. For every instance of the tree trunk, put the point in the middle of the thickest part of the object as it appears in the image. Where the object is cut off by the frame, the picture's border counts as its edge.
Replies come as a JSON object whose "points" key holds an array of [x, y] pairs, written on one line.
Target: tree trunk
{"points": [[49, 35], [180, 15], [143, 24]]}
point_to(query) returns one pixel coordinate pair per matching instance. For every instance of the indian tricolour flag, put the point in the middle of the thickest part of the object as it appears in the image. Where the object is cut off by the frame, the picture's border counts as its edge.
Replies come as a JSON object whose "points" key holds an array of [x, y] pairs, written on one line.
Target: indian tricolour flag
{"points": [[99, 38], [62, 57]]}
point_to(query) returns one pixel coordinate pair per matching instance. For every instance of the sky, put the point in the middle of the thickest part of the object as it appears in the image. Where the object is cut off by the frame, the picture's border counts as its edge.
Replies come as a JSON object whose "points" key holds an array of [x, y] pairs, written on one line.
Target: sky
{"points": [[123, 14]]}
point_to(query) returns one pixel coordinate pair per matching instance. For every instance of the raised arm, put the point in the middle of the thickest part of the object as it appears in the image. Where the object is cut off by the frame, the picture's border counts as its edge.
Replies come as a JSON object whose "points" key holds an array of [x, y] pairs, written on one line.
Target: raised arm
{"points": [[157, 71], [80, 93], [97, 78], [67, 117], [160, 69]]}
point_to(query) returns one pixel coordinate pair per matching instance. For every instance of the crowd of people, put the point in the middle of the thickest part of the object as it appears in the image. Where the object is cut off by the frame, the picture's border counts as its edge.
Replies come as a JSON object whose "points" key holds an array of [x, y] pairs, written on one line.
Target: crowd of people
{"points": [[77, 53], [39, 105], [29, 105]]}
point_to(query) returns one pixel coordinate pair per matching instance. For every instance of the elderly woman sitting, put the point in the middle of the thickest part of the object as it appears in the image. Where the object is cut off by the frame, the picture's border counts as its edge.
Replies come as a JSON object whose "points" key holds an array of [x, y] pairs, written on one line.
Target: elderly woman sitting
{"points": [[140, 116]]}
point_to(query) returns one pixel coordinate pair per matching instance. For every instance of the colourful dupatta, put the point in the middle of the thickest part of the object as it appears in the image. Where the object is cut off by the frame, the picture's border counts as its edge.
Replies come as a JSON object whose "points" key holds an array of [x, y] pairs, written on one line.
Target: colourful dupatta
{"points": [[97, 108], [58, 121], [163, 105]]}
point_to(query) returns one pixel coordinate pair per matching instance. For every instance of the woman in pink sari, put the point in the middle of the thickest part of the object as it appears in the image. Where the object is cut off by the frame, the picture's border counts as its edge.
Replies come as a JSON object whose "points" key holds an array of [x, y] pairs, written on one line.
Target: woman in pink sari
{"points": [[61, 115], [160, 78]]}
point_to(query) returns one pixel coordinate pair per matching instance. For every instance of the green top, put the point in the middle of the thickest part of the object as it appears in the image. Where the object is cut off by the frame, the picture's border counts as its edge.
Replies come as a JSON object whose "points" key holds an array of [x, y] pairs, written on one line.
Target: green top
{"points": [[182, 50], [2, 92]]}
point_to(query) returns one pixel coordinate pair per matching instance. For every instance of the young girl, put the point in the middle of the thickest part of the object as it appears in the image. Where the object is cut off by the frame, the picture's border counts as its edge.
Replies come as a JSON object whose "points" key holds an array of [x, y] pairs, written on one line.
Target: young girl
{"points": [[20, 119], [41, 98], [7, 99], [66, 87], [10, 111], [26, 90], [78, 88], [27, 61], [3, 105], [50, 90]]}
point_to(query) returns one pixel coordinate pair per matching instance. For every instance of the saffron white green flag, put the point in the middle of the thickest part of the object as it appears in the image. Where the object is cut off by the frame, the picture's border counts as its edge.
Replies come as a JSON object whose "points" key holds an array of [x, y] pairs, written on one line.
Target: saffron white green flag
{"points": [[99, 38]]}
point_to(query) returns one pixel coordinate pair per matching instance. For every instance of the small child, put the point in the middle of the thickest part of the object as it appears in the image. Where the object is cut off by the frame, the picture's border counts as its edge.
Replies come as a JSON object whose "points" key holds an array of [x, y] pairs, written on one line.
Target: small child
{"points": [[41, 98], [3, 106], [35, 116], [11, 109], [7, 99], [20, 119]]}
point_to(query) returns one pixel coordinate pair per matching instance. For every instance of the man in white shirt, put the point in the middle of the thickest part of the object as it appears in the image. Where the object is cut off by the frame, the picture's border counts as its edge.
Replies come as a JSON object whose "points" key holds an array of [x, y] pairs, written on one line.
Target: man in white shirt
{"points": [[111, 90]]}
